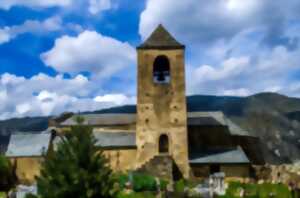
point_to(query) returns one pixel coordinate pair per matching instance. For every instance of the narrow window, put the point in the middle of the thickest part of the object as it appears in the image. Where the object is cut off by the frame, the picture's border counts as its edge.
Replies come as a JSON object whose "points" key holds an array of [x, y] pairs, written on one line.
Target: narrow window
{"points": [[161, 70], [163, 144]]}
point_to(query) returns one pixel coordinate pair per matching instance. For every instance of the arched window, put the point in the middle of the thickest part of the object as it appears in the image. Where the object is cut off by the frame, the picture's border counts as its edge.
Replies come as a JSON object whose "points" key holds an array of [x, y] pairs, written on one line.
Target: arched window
{"points": [[163, 144], [161, 70]]}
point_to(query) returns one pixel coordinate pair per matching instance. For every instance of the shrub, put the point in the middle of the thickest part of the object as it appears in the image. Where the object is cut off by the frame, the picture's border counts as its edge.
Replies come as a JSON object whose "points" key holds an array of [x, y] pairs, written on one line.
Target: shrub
{"points": [[136, 195], [257, 190], [142, 182], [163, 185], [179, 186], [123, 179], [2, 195], [31, 196], [7, 178]]}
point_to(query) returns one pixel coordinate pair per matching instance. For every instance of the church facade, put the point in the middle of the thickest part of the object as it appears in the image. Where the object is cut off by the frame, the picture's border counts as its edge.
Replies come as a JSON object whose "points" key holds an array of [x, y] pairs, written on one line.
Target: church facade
{"points": [[162, 137]]}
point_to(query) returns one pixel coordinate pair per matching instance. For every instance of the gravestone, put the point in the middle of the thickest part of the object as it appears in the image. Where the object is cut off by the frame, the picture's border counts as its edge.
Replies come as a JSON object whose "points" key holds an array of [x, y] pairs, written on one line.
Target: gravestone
{"points": [[217, 183]]}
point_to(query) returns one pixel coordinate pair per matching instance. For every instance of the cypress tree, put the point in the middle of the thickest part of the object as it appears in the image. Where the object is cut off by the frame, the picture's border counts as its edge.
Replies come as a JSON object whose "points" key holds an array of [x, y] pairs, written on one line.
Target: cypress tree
{"points": [[76, 168]]}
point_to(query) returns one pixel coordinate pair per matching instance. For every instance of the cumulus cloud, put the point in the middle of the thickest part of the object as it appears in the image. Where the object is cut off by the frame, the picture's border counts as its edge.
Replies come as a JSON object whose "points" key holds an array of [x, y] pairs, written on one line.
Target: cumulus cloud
{"points": [[30, 26], [195, 20], [97, 6], [90, 52], [236, 92], [7, 4], [229, 68], [261, 70], [45, 96], [116, 98], [199, 21]]}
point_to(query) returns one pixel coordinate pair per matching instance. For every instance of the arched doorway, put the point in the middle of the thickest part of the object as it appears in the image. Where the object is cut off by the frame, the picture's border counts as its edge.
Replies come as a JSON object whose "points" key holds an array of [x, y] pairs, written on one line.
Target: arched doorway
{"points": [[161, 70], [163, 144]]}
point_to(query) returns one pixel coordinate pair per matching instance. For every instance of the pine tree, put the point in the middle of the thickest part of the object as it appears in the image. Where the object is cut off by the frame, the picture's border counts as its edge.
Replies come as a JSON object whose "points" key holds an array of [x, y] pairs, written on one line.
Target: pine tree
{"points": [[77, 169]]}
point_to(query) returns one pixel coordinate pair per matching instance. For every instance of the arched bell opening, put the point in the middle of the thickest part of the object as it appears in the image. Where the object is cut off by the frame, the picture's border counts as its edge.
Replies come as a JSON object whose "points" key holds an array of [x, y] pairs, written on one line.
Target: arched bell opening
{"points": [[161, 70]]}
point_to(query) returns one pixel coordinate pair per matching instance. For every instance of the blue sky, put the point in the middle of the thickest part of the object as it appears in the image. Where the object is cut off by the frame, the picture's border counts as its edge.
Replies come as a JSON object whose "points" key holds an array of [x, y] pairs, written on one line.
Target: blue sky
{"points": [[78, 55]]}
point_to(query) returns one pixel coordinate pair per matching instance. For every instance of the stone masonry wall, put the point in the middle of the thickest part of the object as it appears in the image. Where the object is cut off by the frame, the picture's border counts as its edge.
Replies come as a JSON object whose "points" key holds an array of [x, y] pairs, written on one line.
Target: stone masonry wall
{"points": [[161, 109]]}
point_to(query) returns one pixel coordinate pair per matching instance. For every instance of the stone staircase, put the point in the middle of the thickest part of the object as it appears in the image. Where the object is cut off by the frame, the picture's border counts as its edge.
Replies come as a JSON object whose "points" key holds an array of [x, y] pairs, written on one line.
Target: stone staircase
{"points": [[159, 166]]}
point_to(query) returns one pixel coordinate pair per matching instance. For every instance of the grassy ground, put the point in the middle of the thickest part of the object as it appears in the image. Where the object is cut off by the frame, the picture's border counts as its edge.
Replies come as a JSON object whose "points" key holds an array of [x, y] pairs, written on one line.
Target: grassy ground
{"points": [[136, 195], [257, 191], [2, 195]]}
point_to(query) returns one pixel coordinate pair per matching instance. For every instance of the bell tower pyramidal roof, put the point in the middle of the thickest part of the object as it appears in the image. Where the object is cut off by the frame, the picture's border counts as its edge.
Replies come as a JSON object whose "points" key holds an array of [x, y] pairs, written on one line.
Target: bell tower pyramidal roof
{"points": [[161, 39]]}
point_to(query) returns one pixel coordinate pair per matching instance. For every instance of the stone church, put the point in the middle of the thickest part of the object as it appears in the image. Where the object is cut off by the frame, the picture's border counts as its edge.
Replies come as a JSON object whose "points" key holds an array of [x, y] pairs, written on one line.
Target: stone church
{"points": [[161, 138]]}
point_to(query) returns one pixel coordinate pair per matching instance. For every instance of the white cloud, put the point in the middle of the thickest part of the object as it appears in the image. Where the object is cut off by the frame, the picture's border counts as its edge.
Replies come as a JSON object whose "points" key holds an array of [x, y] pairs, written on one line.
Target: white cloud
{"points": [[97, 6], [3, 95], [229, 68], [44, 95], [242, 7], [237, 92], [199, 23], [273, 89], [23, 108], [9, 79], [4, 35], [116, 99], [245, 67], [90, 52], [7, 4], [197, 20], [30, 26]]}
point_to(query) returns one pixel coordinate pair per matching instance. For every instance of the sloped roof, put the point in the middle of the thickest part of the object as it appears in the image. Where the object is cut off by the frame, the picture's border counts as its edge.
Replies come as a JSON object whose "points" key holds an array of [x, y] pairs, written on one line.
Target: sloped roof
{"points": [[161, 39], [108, 140], [225, 156], [215, 118], [28, 145], [115, 139], [194, 118], [235, 129], [206, 118], [207, 121], [103, 119]]}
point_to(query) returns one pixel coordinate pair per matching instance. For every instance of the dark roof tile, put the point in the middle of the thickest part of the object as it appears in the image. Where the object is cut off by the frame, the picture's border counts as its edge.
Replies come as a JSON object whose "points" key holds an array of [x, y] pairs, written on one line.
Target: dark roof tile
{"points": [[115, 139], [161, 39]]}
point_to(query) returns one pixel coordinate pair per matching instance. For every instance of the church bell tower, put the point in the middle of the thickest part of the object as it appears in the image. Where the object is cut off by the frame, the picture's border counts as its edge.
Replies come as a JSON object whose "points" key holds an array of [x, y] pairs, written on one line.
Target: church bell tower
{"points": [[161, 100]]}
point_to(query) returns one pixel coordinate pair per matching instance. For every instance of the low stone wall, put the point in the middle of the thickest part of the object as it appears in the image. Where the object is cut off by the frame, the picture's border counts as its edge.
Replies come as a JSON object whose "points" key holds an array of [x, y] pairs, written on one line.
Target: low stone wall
{"points": [[288, 174], [235, 171]]}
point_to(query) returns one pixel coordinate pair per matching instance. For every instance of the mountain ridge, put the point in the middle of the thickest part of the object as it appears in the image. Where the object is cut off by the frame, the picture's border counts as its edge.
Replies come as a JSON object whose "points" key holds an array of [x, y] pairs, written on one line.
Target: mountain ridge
{"points": [[272, 117]]}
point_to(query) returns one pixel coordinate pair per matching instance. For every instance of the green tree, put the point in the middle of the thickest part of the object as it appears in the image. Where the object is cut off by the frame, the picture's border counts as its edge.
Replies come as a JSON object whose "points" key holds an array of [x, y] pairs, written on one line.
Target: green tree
{"points": [[7, 178], [76, 168]]}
